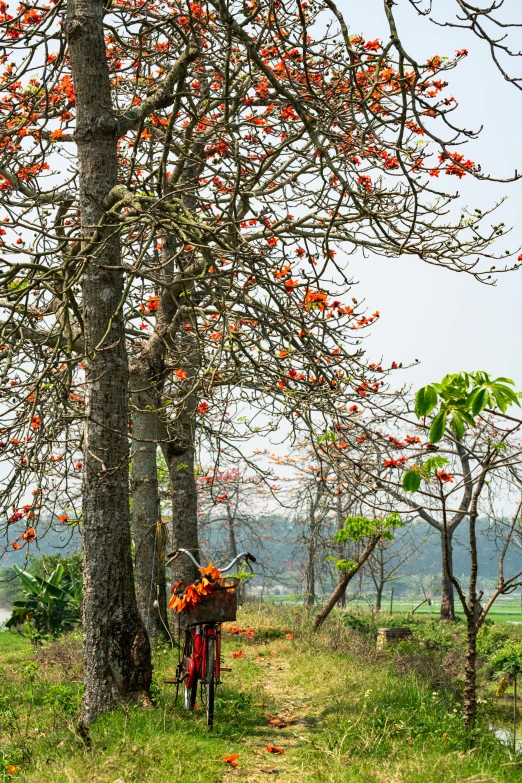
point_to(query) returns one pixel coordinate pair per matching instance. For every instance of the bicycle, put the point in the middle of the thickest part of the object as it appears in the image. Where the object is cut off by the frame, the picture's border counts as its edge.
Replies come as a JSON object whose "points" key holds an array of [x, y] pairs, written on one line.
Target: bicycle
{"points": [[201, 659]]}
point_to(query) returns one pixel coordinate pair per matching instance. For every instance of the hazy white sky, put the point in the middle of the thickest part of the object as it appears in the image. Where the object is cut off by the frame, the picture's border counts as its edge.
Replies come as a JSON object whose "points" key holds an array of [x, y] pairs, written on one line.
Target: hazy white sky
{"points": [[449, 321]]}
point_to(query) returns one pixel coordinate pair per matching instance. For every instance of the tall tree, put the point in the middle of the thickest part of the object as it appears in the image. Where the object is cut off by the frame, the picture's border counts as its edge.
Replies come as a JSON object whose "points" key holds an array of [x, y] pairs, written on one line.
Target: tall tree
{"points": [[117, 662]]}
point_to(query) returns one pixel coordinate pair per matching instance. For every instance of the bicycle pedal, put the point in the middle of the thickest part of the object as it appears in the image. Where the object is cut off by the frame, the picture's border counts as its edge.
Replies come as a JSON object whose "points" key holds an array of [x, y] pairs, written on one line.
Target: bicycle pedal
{"points": [[224, 669]]}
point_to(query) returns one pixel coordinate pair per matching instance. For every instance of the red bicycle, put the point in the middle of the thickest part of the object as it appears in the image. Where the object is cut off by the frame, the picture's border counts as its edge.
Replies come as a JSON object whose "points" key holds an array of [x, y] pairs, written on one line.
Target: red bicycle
{"points": [[201, 659]]}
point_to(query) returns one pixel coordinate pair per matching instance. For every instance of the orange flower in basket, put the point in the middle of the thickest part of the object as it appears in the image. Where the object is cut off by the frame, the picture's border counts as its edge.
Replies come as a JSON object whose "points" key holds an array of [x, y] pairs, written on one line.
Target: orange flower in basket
{"points": [[204, 587], [173, 603], [177, 586], [211, 571], [194, 594]]}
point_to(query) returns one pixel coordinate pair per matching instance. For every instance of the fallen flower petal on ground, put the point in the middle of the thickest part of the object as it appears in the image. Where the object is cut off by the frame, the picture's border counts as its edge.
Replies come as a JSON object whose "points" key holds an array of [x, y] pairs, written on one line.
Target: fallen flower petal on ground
{"points": [[273, 749], [232, 759], [279, 723]]}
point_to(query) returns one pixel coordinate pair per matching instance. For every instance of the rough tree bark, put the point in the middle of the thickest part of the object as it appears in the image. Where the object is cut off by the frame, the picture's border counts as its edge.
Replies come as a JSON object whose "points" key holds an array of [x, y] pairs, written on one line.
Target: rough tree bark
{"points": [[179, 455], [231, 525], [340, 515], [469, 704], [310, 566], [378, 599], [147, 376], [313, 542], [117, 651], [447, 602], [149, 534]]}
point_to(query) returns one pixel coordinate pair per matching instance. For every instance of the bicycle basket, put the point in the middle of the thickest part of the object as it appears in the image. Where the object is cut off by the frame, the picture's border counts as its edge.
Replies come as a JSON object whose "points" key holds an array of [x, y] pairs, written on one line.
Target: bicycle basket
{"points": [[218, 607]]}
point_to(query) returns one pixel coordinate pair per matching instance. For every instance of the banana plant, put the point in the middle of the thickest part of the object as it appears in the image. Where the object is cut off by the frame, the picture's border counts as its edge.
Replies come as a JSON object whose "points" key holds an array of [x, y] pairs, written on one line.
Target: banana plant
{"points": [[49, 606]]}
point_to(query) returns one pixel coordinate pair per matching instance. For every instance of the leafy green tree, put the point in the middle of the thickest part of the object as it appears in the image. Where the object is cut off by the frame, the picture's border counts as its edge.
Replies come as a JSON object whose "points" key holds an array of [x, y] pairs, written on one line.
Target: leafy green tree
{"points": [[469, 419], [357, 530]]}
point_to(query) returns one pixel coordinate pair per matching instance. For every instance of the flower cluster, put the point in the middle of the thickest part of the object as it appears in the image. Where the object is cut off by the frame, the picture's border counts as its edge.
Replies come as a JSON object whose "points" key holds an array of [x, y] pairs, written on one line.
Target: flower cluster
{"points": [[191, 595]]}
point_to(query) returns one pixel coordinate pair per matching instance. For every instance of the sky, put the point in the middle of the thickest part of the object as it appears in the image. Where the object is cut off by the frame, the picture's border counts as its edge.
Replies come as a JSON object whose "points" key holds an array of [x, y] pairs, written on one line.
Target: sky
{"points": [[446, 320], [449, 321]]}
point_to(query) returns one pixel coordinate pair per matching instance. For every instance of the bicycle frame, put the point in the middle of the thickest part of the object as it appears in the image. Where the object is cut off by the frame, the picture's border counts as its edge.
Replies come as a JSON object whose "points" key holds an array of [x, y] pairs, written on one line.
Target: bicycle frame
{"points": [[195, 652]]}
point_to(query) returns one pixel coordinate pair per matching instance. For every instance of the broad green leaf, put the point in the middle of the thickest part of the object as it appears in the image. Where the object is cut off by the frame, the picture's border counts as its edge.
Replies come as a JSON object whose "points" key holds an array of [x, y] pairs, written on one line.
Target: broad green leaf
{"points": [[467, 418], [76, 587], [457, 423], [470, 399], [438, 427], [411, 481], [53, 591], [500, 391], [346, 565], [425, 401], [28, 580], [500, 399], [480, 400], [433, 464], [393, 520], [327, 437], [56, 576]]}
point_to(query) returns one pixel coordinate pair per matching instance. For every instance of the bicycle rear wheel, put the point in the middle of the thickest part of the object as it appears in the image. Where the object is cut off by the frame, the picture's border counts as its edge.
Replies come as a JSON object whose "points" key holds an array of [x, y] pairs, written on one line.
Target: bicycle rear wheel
{"points": [[210, 685], [190, 693]]}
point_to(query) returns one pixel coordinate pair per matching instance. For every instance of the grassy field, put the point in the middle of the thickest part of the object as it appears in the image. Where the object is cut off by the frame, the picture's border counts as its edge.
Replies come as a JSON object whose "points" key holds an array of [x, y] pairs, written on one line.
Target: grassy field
{"points": [[507, 609], [349, 712]]}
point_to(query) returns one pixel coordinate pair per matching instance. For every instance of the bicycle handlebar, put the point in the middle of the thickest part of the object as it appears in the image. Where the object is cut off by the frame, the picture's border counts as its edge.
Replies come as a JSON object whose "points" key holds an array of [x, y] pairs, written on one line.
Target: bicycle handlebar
{"points": [[172, 556]]}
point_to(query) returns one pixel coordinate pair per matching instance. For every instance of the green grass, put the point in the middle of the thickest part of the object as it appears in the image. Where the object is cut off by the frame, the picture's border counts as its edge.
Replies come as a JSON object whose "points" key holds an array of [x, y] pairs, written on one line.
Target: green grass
{"points": [[353, 714], [504, 610]]}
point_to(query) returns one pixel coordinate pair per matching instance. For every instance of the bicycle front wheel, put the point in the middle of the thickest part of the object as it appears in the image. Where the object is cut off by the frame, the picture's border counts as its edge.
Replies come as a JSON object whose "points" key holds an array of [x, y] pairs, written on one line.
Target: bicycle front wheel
{"points": [[210, 685]]}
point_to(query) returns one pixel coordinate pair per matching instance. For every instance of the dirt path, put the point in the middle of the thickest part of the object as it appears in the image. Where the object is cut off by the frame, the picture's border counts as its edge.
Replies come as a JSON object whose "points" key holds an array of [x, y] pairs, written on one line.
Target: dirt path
{"points": [[291, 720]]}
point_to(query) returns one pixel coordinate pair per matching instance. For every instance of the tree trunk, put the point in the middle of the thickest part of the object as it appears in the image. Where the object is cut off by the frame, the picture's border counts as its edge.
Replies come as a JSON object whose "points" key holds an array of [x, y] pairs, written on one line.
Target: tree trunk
{"points": [[232, 543], [149, 533], [469, 704], [515, 715], [310, 580], [312, 553], [342, 585], [340, 547], [179, 456], [378, 600], [447, 603], [117, 651]]}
